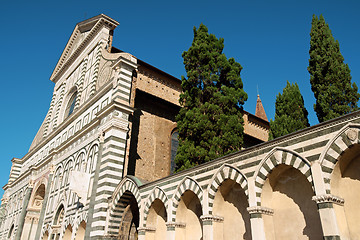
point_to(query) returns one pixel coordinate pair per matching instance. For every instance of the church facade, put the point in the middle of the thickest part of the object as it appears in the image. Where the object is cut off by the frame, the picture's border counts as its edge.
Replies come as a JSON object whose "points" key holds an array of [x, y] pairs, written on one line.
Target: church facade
{"points": [[101, 165]]}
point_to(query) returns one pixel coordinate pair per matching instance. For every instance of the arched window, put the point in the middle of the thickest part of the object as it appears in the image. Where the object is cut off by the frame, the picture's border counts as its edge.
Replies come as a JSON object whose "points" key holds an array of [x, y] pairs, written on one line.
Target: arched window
{"points": [[92, 159], [71, 105], [174, 147], [59, 216], [11, 231]]}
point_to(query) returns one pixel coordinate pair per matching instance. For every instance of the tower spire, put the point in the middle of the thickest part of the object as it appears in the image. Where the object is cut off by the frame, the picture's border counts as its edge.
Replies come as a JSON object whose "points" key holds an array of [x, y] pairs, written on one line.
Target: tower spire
{"points": [[260, 111]]}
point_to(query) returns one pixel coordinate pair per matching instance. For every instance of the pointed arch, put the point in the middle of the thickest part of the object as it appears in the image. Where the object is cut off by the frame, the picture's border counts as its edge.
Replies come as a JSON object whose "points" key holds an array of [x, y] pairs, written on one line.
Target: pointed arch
{"points": [[276, 157], [343, 140], [226, 171], [186, 184], [156, 193]]}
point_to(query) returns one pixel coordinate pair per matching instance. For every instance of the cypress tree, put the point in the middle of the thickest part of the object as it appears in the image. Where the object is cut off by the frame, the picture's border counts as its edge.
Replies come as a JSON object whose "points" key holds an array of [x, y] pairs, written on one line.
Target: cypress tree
{"points": [[210, 122], [290, 112], [329, 76]]}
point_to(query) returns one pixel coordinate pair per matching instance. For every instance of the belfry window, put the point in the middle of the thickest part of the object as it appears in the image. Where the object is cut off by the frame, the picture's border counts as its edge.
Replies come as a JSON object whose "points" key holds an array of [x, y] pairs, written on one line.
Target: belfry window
{"points": [[71, 105]]}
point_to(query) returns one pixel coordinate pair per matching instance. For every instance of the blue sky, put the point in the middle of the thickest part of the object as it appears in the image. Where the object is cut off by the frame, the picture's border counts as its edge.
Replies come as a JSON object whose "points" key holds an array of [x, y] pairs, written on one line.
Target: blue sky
{"points": [[270, 39]]}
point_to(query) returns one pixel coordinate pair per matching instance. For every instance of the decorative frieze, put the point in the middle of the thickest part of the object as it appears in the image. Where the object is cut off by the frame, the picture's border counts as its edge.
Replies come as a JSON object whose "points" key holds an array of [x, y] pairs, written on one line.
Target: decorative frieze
{"points": [[328, 198]]}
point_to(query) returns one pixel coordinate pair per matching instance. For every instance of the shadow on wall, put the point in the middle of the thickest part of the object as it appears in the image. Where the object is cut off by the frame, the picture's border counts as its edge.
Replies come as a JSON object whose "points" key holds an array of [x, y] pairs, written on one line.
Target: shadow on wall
{"points": [[231, 203], [133, 152], [290, 194], [345, 183]]}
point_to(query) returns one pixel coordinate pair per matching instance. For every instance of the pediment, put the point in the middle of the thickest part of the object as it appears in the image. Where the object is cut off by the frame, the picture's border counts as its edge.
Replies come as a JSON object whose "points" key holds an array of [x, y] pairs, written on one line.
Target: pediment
{"points": [[82, 35]]}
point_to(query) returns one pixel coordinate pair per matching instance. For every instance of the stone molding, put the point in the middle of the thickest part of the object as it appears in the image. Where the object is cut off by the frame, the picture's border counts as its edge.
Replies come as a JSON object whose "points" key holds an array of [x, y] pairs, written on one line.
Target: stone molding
{"points": [[261, 210], [328, 198], [211, 218], [176, 224], [146, 229]]}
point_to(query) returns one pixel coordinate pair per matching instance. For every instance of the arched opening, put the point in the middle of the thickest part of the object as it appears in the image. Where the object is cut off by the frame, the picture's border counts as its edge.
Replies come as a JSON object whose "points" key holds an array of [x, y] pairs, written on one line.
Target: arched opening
{"points": [[58, 219], [80, 233], [33, 213], [156, 220], [67, 233], [45, 236], [71, 105], [11, 232], [38, 197], [345, 183], [288, 192], [188, 212], [59, 216], [231, 203], [130, 217]]}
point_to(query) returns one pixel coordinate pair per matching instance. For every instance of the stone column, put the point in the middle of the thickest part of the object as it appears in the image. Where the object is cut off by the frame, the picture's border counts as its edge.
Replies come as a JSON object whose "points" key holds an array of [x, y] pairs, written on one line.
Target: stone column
{"points": [[171, 226], [256, 221], [324, 203], [43, 206], [327, 215], [24, 210], [142, 231], [208, 225]]}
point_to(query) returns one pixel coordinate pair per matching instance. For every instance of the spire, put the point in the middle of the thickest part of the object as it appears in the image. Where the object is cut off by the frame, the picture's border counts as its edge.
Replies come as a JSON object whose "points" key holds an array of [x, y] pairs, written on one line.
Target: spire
{"points": [[260, 111]]}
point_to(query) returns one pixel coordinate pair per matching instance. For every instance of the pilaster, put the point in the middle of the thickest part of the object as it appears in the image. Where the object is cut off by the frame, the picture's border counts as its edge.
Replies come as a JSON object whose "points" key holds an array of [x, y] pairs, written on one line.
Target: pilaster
{"points": [[257, 222], [142, 231], [123, 78], [327, 215], [325, 204], [109, 168], [208, 225], [170, 229]]}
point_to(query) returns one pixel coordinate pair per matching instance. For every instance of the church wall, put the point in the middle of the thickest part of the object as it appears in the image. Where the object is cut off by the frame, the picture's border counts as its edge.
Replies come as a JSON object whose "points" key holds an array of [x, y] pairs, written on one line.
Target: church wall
{"points": [[156, 83]]}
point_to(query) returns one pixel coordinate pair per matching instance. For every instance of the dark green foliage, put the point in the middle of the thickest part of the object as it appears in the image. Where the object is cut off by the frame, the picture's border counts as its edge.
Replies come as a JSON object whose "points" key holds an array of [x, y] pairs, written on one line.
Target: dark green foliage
{"points": [[290, 112], [210, 122], [329, 76]]}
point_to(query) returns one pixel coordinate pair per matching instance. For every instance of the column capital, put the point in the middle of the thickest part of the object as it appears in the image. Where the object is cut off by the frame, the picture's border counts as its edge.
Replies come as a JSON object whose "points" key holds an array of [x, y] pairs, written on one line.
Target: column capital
{"points": [[142, 230], [260, 210], [172, 225], [211, 218], [328, 198]]}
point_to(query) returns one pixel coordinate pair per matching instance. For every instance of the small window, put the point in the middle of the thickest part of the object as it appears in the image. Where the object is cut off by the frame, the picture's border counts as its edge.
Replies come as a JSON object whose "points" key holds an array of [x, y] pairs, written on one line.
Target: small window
{"points": [[71, 105], [174, 147]]}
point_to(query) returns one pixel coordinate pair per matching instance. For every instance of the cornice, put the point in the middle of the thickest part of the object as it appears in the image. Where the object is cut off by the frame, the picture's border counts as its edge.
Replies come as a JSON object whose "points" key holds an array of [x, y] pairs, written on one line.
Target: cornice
{"points": [[65, 61]]}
